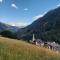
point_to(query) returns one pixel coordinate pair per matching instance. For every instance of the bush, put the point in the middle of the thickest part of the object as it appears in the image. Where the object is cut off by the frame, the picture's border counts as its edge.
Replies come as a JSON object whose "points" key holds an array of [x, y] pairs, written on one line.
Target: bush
{"points": [[8, 34]]}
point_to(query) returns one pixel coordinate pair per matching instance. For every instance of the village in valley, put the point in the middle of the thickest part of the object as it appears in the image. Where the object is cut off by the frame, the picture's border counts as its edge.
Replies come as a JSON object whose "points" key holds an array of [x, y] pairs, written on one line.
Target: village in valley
{"points": [[50, 45]]}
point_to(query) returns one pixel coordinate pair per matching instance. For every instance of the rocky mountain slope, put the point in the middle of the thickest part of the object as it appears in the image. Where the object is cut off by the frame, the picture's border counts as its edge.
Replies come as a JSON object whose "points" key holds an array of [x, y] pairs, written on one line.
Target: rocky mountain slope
{"points": [[46, 28], [4, 26]]}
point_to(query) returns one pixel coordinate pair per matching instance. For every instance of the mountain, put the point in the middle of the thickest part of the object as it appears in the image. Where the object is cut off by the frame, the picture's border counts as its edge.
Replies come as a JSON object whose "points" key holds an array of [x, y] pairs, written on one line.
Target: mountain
{"points": [[46, 28], [4, 26]]}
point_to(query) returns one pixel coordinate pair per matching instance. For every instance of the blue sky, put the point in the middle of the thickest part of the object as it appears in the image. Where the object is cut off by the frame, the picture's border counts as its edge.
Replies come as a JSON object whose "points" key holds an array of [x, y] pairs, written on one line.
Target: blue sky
{"points": [[24, 12]]}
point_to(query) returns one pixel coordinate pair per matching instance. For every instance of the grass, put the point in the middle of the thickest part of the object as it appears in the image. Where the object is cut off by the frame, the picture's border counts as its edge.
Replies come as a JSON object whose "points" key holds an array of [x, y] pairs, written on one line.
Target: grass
{"points": [[11, 49]]}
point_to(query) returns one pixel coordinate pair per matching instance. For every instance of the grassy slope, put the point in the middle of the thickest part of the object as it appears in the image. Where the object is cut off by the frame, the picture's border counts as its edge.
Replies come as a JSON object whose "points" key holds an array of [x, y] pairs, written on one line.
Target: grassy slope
{"points": [[17, 50]]}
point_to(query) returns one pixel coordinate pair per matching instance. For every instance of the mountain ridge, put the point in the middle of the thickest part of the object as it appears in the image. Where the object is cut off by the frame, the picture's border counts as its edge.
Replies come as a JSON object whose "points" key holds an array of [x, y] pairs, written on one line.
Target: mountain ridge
{"points": [[4, 26], [46, 27]]}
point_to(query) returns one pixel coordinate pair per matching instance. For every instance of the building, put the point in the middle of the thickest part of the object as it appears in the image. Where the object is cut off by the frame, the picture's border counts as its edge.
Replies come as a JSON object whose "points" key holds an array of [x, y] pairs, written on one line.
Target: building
{"points": [[50, 45], [37, 42], [53, 46]]}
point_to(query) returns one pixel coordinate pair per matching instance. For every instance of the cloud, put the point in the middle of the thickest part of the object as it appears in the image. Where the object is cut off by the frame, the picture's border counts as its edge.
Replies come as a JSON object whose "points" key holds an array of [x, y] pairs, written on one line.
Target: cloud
{"points": [[36, 17], [39, 16], [18, 23], [58, 5], [1, 1], [14, 5], [26, 9], [13, 24]]}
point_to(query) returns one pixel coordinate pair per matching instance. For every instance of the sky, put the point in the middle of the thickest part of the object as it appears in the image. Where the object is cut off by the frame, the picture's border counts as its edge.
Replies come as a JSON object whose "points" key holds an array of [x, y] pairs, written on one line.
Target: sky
{"points": [[24, 12]]}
